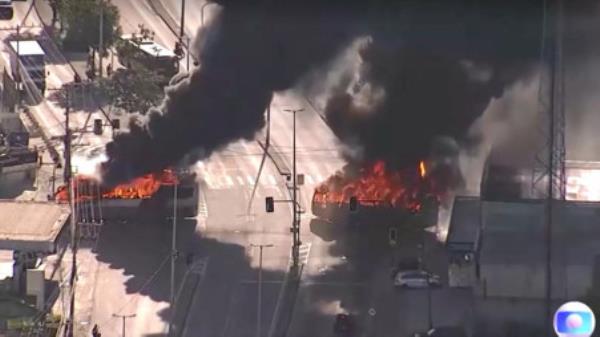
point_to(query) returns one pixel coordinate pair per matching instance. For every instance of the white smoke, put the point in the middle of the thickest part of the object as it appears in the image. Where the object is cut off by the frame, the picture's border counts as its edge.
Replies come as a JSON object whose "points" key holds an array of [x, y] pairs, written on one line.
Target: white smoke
{"points": [[509, 125]]}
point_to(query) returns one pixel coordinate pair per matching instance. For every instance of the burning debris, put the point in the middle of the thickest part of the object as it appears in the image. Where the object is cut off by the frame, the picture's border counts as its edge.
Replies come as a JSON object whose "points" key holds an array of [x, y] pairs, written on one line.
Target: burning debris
{"points": [[406, 191], [375, 186], [144, 187]]}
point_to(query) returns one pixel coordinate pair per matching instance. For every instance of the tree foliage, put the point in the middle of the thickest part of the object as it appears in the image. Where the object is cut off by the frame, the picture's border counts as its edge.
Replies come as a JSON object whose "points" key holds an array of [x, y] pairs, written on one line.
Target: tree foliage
{"points": [[134, 89], [81, 20]]}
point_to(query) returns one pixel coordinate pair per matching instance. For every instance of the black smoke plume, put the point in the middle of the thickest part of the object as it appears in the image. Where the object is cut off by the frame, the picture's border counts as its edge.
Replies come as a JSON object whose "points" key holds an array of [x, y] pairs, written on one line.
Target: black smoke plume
{"points": [[438, 62]]}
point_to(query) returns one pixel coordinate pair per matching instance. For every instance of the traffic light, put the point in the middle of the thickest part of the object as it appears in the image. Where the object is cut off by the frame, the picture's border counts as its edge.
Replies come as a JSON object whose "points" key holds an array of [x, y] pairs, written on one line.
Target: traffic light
{"points": [[178, 50], [270, 204], [353, 204], [98, 127]]}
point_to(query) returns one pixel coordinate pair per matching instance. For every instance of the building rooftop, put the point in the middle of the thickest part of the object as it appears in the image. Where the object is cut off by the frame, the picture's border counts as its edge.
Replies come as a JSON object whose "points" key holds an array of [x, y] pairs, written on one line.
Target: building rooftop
{"points": [[514, 232], [27, 47], [31, 226], [464, 224]]}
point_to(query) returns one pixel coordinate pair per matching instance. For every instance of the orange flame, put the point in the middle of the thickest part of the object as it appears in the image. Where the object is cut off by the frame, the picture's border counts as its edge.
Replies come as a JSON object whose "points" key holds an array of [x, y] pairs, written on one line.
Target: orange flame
{"points": [[376, 186], [422, 169], [144, 187]]}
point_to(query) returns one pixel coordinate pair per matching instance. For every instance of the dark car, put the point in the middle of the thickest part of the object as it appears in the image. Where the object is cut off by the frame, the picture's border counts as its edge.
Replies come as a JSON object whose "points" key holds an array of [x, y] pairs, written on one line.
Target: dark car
{"points": [[344, 325]]}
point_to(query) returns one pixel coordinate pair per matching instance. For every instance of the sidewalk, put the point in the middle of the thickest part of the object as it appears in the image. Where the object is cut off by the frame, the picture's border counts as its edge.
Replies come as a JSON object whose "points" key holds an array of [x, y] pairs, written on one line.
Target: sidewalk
{"points": [[59, 270]]}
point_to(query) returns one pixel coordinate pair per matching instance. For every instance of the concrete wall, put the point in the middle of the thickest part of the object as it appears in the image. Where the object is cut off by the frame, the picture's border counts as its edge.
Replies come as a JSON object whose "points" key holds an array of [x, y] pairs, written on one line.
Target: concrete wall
{"points": [[513, 249]]}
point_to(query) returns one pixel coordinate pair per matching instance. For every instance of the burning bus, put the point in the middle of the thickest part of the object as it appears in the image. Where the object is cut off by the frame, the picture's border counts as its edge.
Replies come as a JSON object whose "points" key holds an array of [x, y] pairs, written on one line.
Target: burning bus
{"points": [[381, 194], [125, 199]]}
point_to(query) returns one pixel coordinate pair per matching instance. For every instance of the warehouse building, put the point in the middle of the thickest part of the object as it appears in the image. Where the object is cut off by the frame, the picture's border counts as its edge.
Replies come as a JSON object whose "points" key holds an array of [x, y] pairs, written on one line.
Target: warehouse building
{"points": [[497, 243]]}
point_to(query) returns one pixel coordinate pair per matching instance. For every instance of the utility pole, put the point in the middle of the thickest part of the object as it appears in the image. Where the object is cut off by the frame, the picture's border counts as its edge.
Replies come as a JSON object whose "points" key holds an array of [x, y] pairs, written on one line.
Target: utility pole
{"points": [[550, 159], [18, 60], [69, 331], [173, 256], [296, 216], [259, 286], [101, 39], [123, 318], [182, 23]]}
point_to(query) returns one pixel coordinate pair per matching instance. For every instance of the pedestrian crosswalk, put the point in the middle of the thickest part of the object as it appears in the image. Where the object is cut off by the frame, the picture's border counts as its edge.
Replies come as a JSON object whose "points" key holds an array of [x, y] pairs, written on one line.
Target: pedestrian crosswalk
{"points": [[304, 252], [317, 154]]}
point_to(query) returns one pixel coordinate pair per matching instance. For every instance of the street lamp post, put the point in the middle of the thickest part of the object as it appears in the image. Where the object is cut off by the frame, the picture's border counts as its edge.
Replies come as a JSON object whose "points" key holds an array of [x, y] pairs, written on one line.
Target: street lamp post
{"points": [[259, 295], [101, 39], [123, 318], [173, 257], [182, 23], [296, 217]]}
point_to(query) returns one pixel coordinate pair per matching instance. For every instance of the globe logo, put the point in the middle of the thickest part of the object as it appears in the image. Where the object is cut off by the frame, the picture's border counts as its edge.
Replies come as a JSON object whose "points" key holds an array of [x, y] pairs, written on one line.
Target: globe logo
{"points": [[574, 319]]}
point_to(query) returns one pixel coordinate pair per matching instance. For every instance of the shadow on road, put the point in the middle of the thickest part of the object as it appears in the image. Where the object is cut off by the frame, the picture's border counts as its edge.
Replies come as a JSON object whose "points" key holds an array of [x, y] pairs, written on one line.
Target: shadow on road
{"points": [[141, 250]]}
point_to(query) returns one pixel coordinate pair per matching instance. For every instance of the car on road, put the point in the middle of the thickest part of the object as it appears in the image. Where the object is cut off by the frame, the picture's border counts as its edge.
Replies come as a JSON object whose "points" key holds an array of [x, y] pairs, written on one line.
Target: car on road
{"points": [[416, 279], [343, 325], [447, 331]]}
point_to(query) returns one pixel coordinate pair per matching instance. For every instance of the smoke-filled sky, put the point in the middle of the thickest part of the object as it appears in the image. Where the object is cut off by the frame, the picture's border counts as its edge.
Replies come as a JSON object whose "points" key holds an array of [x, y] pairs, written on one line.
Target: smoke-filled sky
{"points": [[430, 70]]}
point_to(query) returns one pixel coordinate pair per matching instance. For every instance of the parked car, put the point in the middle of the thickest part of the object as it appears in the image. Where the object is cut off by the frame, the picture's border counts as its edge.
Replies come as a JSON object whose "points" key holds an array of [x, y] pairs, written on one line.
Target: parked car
{"points": [[344, 325], [416, 279]]}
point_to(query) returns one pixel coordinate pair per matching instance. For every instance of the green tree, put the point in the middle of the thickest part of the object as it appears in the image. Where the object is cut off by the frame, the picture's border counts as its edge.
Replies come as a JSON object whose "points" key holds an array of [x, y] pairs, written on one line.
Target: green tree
{"points": [[81, 20], [134, 89]]}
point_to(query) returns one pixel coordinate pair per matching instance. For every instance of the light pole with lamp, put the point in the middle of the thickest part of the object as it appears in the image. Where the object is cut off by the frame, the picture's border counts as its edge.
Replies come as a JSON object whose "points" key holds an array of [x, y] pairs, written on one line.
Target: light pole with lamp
{"points": [[174, 255], [124, 319], [296, 220]]}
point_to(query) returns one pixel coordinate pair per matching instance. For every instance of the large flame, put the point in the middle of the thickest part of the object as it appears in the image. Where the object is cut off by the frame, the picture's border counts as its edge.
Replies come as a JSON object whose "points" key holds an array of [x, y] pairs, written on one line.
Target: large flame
{"points": [[144, 187], [377, 186]]}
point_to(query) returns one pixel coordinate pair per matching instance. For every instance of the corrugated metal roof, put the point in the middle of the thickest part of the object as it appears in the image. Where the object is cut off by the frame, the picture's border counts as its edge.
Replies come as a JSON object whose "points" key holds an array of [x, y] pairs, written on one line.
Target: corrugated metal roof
{"points": [[30, 225], [28, 47], [514, 232]]}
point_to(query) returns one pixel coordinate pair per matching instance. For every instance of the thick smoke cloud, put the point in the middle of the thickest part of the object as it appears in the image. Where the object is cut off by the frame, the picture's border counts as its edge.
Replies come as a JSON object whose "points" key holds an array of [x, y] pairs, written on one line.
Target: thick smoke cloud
{"points": [[251, 50], [432, 67], [439, 68]]}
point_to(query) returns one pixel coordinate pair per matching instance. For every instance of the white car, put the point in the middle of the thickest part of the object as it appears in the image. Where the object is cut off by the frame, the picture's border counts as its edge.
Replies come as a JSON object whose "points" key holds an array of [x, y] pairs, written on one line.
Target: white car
{"points": [[416, 279]]}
